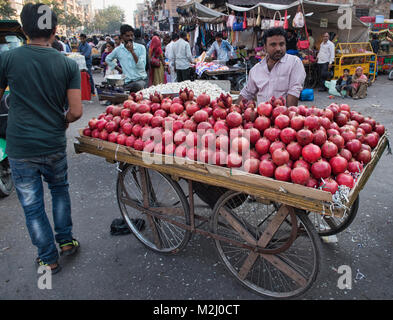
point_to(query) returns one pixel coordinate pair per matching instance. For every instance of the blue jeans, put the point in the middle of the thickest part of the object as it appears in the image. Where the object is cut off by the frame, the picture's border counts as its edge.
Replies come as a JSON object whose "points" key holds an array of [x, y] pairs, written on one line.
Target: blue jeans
{"points": [[27, 174]]}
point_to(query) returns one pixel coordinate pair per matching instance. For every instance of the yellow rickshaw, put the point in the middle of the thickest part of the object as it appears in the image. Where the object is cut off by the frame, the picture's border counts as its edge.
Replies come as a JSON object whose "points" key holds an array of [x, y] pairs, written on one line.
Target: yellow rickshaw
{"points": [[352, 55]]}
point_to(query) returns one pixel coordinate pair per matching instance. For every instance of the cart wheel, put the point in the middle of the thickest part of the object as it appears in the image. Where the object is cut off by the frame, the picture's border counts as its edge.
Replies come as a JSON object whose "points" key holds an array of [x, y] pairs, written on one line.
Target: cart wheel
{"points": [[140, 189], [328, 225], [289, 271]]}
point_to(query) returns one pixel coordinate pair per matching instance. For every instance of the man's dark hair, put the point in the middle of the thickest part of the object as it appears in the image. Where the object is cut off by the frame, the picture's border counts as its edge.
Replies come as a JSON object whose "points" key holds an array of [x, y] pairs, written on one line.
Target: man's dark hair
{"points": [[175, 36], [83, 36], [346, 70], [137, 33], [273, 32], [111, 43], [218, 35], [126, 28], [183, 35], [30, 18]]}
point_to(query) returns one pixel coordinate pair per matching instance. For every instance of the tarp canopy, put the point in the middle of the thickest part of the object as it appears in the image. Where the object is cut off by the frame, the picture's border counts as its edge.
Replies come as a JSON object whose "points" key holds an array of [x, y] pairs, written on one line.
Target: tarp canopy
{"points": [[315, 11], [201, 11]]}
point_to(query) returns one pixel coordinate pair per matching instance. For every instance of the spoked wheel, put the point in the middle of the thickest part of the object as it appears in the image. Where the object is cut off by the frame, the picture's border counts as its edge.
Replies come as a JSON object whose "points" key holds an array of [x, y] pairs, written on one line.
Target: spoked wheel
{"points": [[271, 250], [141, 191], [329, 225], [6, 182]]}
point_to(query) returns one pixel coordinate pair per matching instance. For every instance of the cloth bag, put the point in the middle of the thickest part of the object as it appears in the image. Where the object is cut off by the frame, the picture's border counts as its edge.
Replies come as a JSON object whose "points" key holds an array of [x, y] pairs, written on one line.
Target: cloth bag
{"points": [[298, 21], [276, 23]]}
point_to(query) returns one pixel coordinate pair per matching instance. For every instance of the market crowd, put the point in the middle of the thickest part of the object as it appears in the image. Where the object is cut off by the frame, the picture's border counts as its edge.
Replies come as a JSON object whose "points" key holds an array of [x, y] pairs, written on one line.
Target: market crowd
{"points": [[144, 60]]}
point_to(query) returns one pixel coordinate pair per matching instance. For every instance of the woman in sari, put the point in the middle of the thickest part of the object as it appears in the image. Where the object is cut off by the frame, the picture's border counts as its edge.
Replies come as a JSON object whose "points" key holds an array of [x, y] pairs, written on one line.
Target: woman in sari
{"points": [[359, 84], [157, 62]]}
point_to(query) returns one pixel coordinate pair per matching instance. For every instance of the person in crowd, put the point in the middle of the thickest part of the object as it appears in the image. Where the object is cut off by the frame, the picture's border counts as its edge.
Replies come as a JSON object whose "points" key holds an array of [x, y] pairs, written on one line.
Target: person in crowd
{"points": [[95, 40], [291, 42], [359, 84], [344, 84], [375, 43], [170, 57], [57, 45], [325, 60], [138, 37], [182, 57], [67, 45], [279, 74], [100, 44], [110, 46], [42, 110], [222, 48], [311, 40], [157, 62], [132, 59], [146, 38], [118, 40], [57, 39], [86, 50]]}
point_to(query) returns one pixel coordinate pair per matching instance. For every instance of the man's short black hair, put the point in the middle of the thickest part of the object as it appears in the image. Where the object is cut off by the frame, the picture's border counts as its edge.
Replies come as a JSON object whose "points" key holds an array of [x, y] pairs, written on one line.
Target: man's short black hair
{"points": [[346, 70], [218, 35], [83, 36], [273, 32], [183, 34], [137, 33], [175, 36], [30, 18], [126, 28]]}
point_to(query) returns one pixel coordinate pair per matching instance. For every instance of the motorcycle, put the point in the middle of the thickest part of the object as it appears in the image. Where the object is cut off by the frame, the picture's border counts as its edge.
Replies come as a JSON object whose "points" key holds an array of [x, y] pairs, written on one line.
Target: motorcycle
{"points": [[6, 183]]}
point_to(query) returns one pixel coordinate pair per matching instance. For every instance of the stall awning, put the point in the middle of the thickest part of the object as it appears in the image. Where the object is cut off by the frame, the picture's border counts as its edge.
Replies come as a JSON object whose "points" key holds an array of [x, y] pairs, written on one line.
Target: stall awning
{"points": [[316, 11], [201, 10]]}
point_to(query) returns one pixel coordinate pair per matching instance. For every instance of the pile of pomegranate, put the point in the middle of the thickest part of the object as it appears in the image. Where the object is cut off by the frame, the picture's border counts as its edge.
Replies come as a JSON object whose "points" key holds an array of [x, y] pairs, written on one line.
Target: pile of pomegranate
{"points": [[303, 145]]}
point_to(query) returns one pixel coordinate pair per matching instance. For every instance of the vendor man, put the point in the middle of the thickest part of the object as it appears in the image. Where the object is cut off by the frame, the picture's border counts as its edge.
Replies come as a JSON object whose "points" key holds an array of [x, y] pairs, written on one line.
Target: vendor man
{"points": [[132, 59], [224, 51], [279, 74]]}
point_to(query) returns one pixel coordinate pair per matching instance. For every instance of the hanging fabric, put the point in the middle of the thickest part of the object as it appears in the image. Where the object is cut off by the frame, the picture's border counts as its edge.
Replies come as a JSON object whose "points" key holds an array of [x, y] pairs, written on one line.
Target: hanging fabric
{"points": [[258, 22], [286, 24], [244, 20]]}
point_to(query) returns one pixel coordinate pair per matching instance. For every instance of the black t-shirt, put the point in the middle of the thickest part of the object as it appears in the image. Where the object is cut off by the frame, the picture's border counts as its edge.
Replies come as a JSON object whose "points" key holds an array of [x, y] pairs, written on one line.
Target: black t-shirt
{"points": [[292, 43], [38, 78]]}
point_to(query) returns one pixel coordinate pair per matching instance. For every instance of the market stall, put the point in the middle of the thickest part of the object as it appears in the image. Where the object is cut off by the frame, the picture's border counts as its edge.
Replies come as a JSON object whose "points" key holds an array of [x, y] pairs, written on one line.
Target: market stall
{"points": [[318, 16], [265, 213], [384, 34]]}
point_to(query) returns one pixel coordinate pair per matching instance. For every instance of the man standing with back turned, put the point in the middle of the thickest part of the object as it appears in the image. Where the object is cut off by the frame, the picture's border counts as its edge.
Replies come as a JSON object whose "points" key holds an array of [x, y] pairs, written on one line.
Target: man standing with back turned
{"points": [[45, 97]]}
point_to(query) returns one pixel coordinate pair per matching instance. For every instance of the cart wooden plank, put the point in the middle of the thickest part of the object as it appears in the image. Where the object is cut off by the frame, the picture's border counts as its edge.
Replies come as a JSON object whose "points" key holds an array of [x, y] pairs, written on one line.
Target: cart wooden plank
{"points": [[294, 195]]}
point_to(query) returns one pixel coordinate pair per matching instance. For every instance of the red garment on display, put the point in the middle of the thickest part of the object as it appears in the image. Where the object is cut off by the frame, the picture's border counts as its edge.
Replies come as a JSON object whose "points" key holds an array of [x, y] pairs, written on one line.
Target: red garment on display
{"points": [[85, 86]]}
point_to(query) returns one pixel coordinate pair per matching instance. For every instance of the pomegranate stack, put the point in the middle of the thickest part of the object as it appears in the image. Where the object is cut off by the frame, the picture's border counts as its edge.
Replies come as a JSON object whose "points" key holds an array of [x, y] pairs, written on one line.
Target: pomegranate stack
{"points": [[317, 148]]}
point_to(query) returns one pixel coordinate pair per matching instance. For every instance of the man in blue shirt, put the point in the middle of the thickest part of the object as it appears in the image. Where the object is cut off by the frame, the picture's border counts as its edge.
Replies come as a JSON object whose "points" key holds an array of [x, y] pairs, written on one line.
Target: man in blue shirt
{"points": [[224, 50], [85, 50], [132, 58]]}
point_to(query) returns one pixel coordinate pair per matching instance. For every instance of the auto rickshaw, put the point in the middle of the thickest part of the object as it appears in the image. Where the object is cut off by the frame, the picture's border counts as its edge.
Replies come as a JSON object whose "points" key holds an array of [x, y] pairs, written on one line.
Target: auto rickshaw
{"points": [[11, 37]]}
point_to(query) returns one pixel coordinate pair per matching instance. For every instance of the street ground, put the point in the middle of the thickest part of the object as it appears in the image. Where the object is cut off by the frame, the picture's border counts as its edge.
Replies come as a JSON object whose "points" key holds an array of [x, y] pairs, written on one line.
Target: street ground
{"points": [[120, 267]]}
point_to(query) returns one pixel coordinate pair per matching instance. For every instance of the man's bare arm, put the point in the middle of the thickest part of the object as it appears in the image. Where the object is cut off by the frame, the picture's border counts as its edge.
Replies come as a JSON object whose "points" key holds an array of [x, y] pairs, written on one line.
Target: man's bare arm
{"points": [[292, 100], [75, 110], [2, 93]]}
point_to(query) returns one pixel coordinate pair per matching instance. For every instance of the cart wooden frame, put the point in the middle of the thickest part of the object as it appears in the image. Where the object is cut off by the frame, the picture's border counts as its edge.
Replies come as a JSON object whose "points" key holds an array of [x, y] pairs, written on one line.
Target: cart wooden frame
{"points": [[295, 201]]}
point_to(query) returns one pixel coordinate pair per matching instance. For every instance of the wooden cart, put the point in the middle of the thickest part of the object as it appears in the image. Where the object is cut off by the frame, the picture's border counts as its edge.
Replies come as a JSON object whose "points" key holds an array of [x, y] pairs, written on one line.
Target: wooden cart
{"points": [[260, 226]]}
